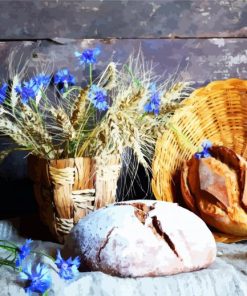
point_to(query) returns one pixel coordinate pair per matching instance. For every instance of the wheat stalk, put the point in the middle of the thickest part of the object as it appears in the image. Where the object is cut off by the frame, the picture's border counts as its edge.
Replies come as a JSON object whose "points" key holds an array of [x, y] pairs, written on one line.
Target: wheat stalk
{"points": [[117, 131], [73, 125], [9, 128]]}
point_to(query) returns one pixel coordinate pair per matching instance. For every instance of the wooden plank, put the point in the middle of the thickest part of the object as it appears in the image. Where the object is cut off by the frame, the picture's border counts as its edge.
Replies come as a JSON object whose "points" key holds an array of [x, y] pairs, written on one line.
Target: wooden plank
{"points": [[199, 60], [36, 19]]}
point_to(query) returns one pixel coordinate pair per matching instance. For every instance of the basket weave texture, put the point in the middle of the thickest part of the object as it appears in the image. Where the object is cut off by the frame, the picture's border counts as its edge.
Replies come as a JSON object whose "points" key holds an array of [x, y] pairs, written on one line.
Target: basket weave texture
{"points": [[68, 189], [217, 112]]}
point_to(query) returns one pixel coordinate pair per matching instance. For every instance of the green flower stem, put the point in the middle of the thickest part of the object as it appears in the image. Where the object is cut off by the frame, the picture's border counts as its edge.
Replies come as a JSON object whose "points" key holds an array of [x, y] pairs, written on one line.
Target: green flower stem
{"points": [[138, 83], [46, 104], [8, 248], [91, 74], [9, 243], [71, 89], [143, 115], [45, 293], [7, 263], [34, 105]]}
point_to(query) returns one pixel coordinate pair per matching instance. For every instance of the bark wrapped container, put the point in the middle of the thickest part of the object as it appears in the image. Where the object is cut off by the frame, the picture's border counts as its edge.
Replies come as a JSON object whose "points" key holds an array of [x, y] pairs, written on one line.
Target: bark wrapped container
{"points": [[68, 189]]}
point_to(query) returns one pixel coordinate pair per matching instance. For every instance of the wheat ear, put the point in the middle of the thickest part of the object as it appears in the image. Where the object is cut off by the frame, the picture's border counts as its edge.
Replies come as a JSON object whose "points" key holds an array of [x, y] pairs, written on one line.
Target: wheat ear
{"points": [[64, 123], [32, 123], [131, 100], [8, 128], [108, 78], [79, 108]]}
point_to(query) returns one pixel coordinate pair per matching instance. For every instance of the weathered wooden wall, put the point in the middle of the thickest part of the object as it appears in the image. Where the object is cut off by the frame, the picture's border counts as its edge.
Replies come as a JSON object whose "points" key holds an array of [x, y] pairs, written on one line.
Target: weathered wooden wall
{"points": [[35, 19], [205, 40]]}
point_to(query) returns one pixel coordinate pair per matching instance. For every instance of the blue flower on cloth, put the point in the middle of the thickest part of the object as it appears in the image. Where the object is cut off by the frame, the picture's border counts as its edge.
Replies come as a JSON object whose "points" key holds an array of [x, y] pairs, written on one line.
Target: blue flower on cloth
{"points": [[204, 153], [37, 279], [27, 91], [23, 252], [68, 269], [63, 76], [153, 106], [88, 56], [3, 92], [98, 97]]}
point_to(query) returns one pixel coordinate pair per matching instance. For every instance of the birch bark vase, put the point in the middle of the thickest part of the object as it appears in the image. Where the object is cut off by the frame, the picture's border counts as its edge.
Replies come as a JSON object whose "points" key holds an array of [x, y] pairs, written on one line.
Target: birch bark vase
{"points": [[66, 190]]}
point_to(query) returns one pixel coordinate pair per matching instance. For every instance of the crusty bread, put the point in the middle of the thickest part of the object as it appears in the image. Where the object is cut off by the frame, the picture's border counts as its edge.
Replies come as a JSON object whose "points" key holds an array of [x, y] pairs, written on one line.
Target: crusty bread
{"points": [[215, 189], [142, 238]]}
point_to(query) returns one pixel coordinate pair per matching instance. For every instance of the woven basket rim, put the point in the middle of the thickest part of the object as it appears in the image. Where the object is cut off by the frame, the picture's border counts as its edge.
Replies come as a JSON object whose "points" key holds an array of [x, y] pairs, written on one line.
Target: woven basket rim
{"points": [[218, 87], [70, 158]]}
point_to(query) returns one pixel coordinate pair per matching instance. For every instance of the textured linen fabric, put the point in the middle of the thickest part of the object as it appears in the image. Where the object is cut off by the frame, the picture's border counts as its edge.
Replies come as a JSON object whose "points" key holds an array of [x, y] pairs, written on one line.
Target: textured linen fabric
{"points": [[226, 276]]}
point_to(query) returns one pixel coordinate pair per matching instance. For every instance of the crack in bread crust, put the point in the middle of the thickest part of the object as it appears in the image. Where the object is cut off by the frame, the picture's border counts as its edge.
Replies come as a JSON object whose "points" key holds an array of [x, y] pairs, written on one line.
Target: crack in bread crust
{"points": [[104, 244], [158, 229], [139, 205], [142, 212]]}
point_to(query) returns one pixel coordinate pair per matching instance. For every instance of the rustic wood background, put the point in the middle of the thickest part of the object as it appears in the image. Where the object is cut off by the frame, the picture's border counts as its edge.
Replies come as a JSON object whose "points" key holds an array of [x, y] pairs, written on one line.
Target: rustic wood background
{"points": [[204, 40]]}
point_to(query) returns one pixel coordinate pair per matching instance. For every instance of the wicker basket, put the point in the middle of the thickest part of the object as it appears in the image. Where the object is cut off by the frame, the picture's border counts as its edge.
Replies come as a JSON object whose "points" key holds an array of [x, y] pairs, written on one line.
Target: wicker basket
{"points": [[217, 112], [68, 189]]}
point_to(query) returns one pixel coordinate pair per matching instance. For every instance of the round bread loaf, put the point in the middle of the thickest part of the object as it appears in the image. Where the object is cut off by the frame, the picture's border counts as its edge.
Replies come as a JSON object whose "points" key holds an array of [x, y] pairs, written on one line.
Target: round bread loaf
{"points": [[142, 238]]}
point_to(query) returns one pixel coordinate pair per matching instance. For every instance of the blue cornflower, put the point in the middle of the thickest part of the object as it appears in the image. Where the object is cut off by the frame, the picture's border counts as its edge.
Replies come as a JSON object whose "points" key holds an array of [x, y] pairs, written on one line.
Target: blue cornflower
{"points": [[23, 252], [37, 280], [98, 97], [204, 153], [88, 56], [68, 269], [42, 80], [63, 76], [28, 91], [3, 92], [153, 106]]}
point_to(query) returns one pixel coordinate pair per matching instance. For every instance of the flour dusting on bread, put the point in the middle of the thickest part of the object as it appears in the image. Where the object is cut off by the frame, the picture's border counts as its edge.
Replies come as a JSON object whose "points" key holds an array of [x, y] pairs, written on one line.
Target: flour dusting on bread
{"points": [[143, 238]]}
